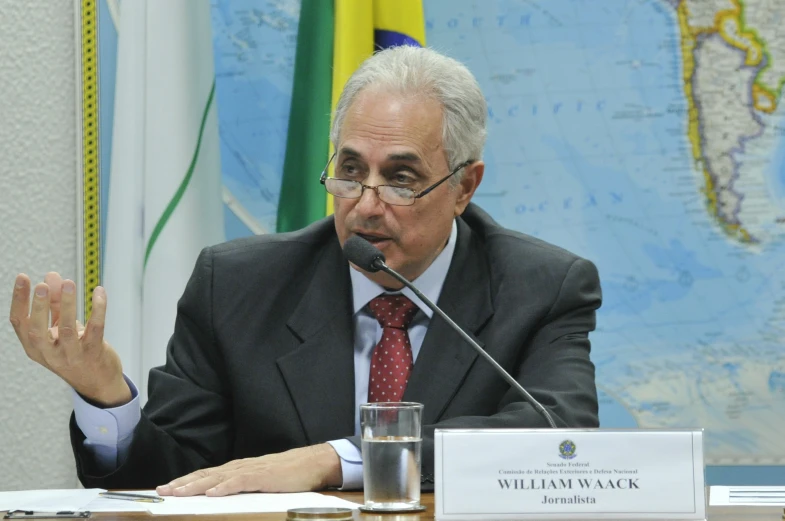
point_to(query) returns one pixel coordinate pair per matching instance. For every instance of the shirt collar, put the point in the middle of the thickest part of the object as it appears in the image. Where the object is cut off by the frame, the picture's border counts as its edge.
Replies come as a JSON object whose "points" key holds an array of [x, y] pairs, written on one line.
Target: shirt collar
{"points": [[429, 283]]}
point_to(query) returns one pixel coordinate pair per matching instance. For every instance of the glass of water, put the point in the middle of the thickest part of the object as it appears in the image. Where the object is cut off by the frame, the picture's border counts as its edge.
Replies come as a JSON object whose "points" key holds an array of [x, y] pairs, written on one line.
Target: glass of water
{"points": [[391, 447]]}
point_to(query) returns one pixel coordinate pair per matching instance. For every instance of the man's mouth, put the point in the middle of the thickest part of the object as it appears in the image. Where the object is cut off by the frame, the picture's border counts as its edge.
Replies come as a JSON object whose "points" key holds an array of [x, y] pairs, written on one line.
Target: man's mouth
{"points": [[376, 240]]}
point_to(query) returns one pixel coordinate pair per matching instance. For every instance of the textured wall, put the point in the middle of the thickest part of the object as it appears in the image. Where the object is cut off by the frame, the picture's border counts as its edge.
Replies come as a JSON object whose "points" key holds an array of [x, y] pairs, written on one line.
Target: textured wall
{"points": [[38, 185]]}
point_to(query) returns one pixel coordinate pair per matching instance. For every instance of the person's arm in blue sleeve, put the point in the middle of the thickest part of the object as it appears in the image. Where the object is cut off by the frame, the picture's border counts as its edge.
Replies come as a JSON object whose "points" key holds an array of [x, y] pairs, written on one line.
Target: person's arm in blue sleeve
{"points": [[108, 432], [351, 464]]}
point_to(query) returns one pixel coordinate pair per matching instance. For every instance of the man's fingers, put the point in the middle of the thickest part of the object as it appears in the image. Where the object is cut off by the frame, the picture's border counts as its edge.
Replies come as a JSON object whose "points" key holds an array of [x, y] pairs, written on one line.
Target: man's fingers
{"points": [[39, 317], [200, 486], [54, 281], [166, 490], [66, 327], [218, 483], [94, 331], [257, 481], [20, 307]]}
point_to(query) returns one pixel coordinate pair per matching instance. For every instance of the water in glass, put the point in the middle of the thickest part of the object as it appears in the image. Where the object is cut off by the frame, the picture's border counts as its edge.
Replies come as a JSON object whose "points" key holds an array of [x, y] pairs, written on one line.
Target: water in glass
{"points": [[391, 472]]}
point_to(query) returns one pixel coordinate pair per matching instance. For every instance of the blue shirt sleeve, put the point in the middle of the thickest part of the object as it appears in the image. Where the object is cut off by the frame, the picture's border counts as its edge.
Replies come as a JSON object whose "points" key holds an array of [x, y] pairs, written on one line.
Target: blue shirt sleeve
{"points": [[109, 432], [351, 464]]}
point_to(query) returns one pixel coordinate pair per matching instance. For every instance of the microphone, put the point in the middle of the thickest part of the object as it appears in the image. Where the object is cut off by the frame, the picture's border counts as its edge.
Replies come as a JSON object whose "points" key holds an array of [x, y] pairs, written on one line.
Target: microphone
{"points": [[368, 257], [365, 255]]}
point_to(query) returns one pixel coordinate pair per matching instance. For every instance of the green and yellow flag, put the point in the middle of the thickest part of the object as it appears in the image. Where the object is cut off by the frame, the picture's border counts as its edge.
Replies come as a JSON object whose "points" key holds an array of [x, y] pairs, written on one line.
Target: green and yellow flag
{"points": [[333, 39]]}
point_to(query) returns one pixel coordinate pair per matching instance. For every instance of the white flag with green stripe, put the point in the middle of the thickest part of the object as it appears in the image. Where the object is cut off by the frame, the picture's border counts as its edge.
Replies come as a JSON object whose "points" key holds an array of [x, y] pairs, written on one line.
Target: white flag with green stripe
{"points": [[165, 180]]}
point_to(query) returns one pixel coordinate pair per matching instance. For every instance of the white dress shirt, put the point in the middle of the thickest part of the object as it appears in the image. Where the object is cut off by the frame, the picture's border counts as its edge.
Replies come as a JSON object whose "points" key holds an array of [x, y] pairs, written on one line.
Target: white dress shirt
{"points": [[109, 432]]}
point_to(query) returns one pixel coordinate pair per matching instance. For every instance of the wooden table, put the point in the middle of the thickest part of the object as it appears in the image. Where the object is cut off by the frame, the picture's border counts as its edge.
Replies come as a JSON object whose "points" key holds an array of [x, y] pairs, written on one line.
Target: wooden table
{"points": [[740, 514]]}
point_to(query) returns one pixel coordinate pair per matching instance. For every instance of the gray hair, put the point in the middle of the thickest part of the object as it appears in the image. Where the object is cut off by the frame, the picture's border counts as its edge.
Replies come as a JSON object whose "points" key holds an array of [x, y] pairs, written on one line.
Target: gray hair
{"points": [[415, 71]]}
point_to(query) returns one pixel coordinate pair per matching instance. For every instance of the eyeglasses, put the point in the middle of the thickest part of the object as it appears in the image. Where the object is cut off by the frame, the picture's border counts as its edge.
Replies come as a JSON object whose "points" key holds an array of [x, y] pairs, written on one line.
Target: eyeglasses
{"points": [[390, 194]]}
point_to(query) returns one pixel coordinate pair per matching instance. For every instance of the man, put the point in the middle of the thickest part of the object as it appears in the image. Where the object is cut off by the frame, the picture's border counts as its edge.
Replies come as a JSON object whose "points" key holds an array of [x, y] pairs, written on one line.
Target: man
{"points": [[277, 340]]}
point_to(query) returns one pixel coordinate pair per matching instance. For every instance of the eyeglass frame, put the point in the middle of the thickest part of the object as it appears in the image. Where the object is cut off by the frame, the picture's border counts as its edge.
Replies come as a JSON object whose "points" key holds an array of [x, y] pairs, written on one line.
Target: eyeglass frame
{"points": [[417, 195]]}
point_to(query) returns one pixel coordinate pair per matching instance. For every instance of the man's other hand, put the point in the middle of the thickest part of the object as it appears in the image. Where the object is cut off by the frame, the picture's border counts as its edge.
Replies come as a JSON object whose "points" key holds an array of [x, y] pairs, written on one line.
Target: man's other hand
{"points": [[297, 470], [77, 354]]}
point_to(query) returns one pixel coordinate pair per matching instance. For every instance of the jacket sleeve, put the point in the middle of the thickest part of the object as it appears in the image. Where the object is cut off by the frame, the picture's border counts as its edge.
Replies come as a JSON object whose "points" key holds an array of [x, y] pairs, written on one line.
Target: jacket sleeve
{"points": [[187, 422]]}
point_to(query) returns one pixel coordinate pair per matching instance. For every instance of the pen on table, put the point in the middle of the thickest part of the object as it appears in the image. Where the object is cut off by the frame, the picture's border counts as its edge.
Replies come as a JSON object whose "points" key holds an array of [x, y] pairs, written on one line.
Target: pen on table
{"points": [[131, 497]]}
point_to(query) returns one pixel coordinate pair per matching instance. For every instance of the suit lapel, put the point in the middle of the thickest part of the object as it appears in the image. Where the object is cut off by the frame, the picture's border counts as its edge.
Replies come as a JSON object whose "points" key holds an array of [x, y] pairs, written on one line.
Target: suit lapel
{"points": [[320, 372], [444, 357]]}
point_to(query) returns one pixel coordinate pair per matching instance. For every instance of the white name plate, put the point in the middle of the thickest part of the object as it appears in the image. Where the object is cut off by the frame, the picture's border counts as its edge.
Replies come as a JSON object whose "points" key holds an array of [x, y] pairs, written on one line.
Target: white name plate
{"points": [[500, 474]]}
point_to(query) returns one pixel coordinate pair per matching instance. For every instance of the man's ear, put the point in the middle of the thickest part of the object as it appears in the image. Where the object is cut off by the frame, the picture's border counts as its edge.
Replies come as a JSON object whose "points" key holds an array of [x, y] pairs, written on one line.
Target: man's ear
{"points": [[472, 177]]}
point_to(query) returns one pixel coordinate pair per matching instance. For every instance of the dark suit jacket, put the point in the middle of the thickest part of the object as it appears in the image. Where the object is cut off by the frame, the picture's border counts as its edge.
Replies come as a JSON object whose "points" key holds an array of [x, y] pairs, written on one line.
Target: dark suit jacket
{"points": [[262, 358]]}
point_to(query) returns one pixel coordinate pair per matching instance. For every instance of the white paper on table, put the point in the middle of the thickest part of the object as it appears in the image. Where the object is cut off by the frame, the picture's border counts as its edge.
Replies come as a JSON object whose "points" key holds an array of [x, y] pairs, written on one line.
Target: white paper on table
{"points": [[54, 500], [244, 503], [747, 496]]}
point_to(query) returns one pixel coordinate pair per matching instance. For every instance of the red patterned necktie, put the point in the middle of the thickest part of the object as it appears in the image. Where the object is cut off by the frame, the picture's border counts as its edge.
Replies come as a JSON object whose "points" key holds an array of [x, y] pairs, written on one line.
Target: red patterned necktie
{"points": [[391, 362]]}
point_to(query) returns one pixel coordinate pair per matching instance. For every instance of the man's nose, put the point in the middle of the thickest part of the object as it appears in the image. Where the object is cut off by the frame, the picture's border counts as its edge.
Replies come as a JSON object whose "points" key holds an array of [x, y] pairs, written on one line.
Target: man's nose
{"points": [[369, 202]]}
